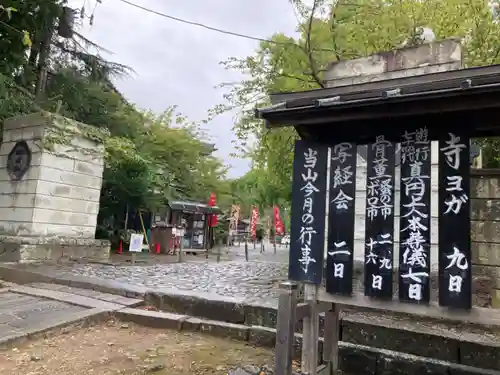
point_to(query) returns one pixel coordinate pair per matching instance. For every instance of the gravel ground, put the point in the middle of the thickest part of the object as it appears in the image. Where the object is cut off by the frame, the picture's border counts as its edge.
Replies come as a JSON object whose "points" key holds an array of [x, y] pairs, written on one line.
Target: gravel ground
{"points": [[116, 348]]}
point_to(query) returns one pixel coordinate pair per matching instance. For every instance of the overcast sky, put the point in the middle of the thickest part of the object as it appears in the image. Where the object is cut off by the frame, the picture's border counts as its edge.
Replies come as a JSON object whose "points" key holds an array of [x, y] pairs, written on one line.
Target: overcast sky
{"points": [[177, 63]]}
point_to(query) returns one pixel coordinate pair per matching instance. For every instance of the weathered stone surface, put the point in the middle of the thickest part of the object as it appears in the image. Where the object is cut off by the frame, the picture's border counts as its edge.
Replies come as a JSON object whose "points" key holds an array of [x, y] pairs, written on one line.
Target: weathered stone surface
{"points": [[153, 319], [485, 253], [23, 315], [481, 356], [396, 338], [262, 336], [491, 272], [485, 187], [485, 231], [29, 249], [485, 209], [40, 204], [228, 330], [201, 307], [260, 316], [482, 290], [355, 359], [409, 365]]}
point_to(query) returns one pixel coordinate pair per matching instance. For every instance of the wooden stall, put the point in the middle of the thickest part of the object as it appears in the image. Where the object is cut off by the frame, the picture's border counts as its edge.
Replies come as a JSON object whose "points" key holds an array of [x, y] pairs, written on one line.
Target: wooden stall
{"points": [[408, 114], [193, 217]]}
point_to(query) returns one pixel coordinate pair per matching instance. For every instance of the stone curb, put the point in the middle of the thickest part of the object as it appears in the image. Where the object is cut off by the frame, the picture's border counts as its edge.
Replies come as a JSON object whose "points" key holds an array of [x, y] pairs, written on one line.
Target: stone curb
{"points": [[72, 299], [353, 358], [86, 317], [455, 343]]}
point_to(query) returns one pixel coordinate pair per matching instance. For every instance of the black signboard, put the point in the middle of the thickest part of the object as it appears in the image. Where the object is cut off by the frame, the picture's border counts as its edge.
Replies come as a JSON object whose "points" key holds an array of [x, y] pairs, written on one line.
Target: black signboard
{"points": [[415, 217], [339, 270], [454, 222], [307, 235], [379, 225]]}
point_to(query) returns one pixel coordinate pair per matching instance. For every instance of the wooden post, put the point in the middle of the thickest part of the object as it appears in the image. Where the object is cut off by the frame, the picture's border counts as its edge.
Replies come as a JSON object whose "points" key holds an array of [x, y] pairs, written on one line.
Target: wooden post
{"points": [[246, 249], [181, 247], [274, 241], [285, 328], [134, 256], [310, 331], [331, 337], [219, 246]]}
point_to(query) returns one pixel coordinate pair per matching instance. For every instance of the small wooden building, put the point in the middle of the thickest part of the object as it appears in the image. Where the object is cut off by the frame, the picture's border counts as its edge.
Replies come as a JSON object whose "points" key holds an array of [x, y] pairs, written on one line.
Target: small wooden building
{"points": [[186, 217]]}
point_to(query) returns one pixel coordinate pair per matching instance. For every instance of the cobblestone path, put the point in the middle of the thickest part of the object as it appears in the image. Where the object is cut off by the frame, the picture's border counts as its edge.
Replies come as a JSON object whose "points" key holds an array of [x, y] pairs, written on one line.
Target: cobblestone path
{"points": [[251, 281]]}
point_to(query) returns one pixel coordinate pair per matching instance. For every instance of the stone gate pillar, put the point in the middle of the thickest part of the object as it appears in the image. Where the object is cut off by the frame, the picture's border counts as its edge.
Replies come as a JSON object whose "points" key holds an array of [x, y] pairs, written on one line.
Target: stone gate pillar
{"points": [[50, 181]]}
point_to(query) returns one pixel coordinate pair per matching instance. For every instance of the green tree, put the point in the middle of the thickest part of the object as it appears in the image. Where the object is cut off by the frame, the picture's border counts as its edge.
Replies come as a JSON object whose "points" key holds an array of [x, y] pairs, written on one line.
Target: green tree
{"points": [[340, 30]]}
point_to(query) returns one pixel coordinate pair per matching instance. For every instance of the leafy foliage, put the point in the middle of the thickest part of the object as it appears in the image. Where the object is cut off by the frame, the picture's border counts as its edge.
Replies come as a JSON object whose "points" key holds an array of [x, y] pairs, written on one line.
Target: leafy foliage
{"points": [[149, 158], [340, 30]]}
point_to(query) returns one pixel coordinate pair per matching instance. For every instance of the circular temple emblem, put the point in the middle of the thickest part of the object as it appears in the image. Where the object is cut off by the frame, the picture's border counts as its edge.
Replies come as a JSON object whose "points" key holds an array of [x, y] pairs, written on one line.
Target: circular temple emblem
{"points": [[19, 160]]}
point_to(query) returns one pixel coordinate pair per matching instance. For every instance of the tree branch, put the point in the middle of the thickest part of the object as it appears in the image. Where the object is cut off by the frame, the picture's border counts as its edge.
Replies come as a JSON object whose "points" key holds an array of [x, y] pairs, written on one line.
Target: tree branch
{"points": [[308, 46]]}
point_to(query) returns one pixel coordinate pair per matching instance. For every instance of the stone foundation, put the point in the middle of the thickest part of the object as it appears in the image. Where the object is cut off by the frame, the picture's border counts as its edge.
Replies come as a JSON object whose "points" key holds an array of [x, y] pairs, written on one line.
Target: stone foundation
{"points": [[31, 249]]}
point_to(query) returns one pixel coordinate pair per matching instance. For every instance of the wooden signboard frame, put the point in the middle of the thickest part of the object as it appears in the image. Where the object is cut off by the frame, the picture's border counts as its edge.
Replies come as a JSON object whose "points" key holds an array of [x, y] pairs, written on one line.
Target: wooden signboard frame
{"points": [[449, 107]]}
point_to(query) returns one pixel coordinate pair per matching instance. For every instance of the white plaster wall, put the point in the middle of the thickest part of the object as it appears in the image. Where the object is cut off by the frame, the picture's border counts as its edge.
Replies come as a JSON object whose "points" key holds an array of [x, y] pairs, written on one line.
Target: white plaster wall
{"points": [[59, 195]]}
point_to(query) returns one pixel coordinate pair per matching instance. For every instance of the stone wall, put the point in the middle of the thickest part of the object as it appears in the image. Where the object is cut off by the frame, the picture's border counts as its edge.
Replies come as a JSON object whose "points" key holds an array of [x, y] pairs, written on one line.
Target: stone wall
{"points": [[58, 197], [485, 231]]}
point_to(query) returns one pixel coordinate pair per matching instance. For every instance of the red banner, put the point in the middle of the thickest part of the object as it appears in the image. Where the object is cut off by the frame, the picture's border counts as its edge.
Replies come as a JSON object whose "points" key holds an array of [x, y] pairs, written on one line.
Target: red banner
{"points": [[278, 223], [253, 222], [212, 219]]}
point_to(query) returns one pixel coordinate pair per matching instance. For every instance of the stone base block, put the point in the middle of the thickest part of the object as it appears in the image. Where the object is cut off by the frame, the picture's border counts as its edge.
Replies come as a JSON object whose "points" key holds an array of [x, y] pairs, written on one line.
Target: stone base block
{"points": [[33, 249]]}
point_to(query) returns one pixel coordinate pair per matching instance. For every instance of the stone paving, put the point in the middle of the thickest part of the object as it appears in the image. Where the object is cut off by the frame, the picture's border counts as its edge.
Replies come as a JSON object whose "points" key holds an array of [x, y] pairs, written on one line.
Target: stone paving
{"points": [[23, 313], [252, 281]]}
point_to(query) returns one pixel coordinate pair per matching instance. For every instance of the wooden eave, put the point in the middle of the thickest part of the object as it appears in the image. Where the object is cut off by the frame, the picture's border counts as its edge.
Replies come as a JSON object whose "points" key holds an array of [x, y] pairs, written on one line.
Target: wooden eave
{"points": [[442, 101]]}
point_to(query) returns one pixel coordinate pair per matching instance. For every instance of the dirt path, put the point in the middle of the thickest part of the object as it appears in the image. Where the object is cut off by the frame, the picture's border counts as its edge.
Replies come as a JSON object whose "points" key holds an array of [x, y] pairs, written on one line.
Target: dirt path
{"points": [[117, 348]]}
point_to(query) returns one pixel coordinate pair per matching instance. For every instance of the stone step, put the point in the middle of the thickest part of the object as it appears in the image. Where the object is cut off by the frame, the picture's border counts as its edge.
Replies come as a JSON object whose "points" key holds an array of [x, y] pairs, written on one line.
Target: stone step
{"points": [[107, 297], [353, 358], [440, 340]]}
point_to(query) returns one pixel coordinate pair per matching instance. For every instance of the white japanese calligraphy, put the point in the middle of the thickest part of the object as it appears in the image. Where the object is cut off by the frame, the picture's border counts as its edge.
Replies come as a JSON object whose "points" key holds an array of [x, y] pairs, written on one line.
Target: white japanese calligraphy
{"points": [[455, 283], [341, 201], [379, 197], [415, 154], [457, 259], [452, 151], [454, 184], [383, 255], [377, 282], [341, 176], [340, 152], [342, 251], [338, 270], [307, 230]]}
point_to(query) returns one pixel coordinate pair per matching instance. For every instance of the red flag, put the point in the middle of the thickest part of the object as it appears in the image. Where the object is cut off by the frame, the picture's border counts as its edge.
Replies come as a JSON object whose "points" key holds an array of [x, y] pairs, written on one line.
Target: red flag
{"points": [[278, 224], [212, 219], [253, 222]]}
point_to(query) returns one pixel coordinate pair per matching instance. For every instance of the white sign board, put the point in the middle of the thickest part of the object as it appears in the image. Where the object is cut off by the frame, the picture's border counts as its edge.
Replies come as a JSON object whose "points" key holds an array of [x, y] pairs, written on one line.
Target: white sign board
{"points": [[136, 243]]}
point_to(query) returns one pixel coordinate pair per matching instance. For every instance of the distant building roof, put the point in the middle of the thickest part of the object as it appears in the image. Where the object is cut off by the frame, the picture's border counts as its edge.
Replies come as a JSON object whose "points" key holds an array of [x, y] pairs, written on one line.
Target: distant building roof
{"points": [[194, 207]]}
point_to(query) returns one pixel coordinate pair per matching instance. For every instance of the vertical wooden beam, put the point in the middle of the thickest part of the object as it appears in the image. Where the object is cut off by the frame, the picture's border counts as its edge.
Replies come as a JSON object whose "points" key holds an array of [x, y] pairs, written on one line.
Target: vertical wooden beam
{"points": [[285, 328], [310, 331], [332, 338]]}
